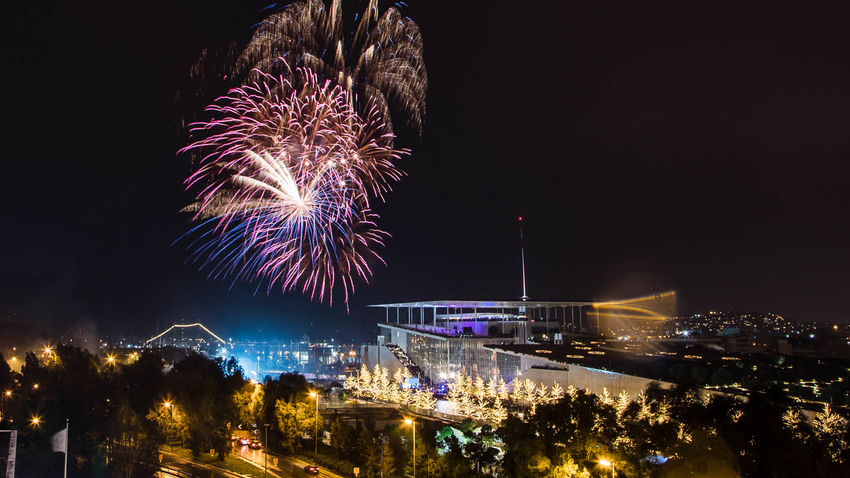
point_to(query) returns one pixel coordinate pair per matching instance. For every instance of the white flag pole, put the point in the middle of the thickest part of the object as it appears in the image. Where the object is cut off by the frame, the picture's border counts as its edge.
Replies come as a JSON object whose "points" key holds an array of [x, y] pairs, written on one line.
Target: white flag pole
{"points": [[67, 436]]}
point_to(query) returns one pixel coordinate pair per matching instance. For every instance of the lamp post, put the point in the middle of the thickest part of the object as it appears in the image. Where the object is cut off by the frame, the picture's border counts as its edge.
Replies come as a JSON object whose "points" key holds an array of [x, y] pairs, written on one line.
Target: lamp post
{"points": [[413, 425], [607, 463], [171, 408], [315, 394], [266, 452]]}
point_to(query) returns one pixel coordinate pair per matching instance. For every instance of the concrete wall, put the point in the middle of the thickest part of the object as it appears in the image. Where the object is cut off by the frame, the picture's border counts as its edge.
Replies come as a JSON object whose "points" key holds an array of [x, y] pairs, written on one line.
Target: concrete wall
{"points": [[370, 355], [589, 378], [395, 336]]}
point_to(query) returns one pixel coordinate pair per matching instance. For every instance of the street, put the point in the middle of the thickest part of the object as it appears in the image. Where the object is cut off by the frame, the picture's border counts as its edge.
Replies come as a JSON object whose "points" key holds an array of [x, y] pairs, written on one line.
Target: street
{"points": [[284, 466]]}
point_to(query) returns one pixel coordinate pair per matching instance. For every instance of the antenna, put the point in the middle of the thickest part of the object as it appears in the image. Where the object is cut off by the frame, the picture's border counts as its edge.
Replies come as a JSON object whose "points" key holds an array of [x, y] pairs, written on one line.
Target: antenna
{"points": [[522, 251]]}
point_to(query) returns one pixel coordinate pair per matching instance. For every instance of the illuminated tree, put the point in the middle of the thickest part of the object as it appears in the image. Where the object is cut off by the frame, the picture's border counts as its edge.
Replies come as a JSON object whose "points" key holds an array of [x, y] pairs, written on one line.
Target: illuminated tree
{"points": [[399, 392], [249, 401], [794, 421], [295, 419], [423, 399], [170, 421], [565, 467], [458, 396], [555, 393], [830, 432], [364, 382], [541, 395], [380, 383]]}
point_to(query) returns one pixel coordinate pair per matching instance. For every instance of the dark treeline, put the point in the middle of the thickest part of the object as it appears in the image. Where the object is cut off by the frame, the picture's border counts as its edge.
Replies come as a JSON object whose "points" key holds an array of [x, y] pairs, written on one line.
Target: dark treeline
{"points": [[121, 414], [672, 433]]}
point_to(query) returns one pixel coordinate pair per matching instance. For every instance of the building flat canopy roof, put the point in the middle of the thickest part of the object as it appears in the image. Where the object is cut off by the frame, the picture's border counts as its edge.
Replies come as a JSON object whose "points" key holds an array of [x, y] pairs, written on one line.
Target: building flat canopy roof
{"points": [[485, 304]]}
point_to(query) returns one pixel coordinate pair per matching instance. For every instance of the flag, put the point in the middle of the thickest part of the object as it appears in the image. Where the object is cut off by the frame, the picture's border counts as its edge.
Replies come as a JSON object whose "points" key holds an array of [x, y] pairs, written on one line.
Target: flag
{"points": [[57, 441]]}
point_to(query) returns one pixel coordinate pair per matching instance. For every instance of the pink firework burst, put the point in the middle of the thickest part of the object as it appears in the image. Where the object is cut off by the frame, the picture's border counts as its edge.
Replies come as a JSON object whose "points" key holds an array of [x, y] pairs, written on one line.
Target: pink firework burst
{"points": [[286, 173]]}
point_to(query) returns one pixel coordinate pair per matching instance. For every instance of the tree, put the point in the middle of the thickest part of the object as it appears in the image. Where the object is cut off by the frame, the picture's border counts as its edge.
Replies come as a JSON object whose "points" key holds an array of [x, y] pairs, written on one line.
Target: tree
{"points": [[169, 422], [565, 467], [295, 419], [479, 449], [830, 433], [204, 394], [249, 401], [343, 438], [387, 460], [369, 451], [126, 443], [5, 374], [142, 384]]}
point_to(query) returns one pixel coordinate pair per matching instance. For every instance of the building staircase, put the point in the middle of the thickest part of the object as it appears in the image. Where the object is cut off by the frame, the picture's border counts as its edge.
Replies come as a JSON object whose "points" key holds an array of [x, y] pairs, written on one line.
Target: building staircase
{"points": [[410, 365]]}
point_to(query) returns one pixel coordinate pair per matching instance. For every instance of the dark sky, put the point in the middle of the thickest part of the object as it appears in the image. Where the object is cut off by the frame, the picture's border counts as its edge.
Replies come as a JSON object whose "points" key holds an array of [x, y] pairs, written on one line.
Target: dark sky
{"points": [[701, 147]]}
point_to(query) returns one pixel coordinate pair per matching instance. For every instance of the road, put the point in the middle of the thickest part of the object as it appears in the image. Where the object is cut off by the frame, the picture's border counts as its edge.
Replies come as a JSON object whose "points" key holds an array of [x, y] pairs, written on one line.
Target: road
{"points": [[174, 465], [282, 466]]}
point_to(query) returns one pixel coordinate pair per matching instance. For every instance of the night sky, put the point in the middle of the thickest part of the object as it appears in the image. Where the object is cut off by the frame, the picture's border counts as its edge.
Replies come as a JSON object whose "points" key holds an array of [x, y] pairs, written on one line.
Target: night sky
{"points": [[701, 147]]}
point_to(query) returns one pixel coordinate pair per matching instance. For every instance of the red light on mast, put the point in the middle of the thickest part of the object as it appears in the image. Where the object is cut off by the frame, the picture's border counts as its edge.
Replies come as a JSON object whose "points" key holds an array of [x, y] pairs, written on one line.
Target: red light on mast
{"points": [[520, 218]]}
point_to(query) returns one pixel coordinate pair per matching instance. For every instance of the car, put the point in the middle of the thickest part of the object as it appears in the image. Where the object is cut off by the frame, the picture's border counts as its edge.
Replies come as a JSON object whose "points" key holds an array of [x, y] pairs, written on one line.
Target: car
{"points": [[311, 469], [243, 441], [255, 444]]}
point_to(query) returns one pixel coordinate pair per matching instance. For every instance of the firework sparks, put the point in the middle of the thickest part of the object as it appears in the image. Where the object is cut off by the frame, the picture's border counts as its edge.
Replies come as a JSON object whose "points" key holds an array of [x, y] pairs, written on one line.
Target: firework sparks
{"points": [[287, 171], [381, 64], [288, 163]]}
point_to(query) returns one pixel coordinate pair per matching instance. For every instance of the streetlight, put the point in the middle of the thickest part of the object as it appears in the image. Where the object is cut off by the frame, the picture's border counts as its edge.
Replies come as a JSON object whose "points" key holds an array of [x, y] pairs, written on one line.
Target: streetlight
{"points": [[413, 423], [607, 463], [266, 452], [314, 394], [171, 408], [35, 421]]}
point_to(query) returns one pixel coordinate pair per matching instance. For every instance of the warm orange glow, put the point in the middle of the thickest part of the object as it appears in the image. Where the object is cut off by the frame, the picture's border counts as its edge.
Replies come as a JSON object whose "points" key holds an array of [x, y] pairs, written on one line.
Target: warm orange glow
{"points": [[616, 315], [408, 421], [36, 421], [620, 315], [604, 462], [628, 311]]}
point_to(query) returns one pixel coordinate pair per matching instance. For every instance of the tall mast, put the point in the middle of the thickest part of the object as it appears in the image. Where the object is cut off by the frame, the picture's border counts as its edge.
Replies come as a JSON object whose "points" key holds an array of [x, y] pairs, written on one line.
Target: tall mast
{"points": [[522, 252]]}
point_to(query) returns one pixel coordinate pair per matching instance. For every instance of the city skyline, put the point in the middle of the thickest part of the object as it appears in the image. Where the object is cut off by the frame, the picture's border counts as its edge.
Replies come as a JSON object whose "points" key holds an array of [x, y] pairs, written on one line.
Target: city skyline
{"points": [[693, 148]]}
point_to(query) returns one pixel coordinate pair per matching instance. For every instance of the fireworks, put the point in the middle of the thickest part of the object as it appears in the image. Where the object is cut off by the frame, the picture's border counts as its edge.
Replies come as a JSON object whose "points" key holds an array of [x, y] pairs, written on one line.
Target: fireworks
{"points": [[291, 158], [289, 169], [382, 63]]}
